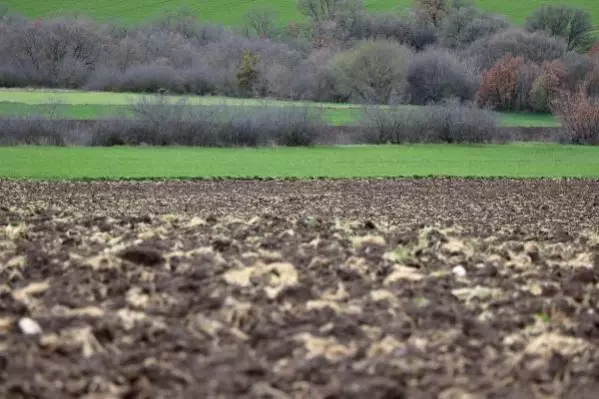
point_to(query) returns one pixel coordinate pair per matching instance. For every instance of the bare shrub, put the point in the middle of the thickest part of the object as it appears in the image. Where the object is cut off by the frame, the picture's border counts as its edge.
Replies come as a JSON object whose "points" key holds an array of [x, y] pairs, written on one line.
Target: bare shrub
{"points": [[51, 53], [411, 30], [526, 78], [13, 76], [594, 51], [577, 67], [159, 121], [351, 26], [417, 33], [548, 85], [282, 82], [138, 79], [536, 47], [165, 122], [437, 75], [447, 123], [283, 126], [311, 79], [198, 80], [259, 22], [184, 22], [373, 71], [222, 61], [164, 47], [579, 115], [591, 83], [125, 53], [105, 79], [108, 133], [464, 25], [393, 125], [433, 10], [322, 10], [33, 131], [296, 126]]}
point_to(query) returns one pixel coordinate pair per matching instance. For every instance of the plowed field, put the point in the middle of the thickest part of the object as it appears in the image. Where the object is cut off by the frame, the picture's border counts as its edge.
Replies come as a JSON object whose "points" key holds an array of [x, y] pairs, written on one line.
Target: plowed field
{"points": [[301, 289]]}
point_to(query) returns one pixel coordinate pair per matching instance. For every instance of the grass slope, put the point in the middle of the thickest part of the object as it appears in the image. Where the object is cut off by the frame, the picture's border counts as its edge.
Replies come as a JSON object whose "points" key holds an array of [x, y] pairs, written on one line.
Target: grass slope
{"points": [[231, 11], [90, 105], [519, 161]]}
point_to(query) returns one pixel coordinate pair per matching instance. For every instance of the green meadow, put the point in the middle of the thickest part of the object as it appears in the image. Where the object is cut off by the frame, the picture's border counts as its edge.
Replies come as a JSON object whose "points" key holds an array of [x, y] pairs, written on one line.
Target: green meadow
{"points": [[514, 160], [231, 12]]}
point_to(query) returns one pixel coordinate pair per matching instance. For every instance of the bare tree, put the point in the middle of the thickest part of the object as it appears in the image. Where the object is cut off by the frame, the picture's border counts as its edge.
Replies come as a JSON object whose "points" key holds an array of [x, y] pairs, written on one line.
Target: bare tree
{"points": [[322, 10], [373, 71], [260, 22], [437, 75], [434, 10], [55, 52], [572, 24], [536, 47], [465, 24]]}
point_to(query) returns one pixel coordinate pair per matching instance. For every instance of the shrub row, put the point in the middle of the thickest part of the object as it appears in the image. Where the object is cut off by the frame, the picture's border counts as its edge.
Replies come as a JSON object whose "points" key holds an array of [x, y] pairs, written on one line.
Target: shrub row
{"points": [[158, 123], [447, 123]]}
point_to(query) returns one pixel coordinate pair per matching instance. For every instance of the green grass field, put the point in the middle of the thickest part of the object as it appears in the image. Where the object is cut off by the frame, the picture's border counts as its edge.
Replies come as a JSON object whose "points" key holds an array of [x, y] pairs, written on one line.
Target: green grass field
{"points": [[519, 161], [91, 105], [231, 11]]}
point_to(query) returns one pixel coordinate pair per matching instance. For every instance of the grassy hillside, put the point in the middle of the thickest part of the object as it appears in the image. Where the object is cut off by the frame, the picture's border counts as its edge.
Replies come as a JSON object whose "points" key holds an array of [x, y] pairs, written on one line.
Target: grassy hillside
{"points": [[231, 11], [520, 160]]}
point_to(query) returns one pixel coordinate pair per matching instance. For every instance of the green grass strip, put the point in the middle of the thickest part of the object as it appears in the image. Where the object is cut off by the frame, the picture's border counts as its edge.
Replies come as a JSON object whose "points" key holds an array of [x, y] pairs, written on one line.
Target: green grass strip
{"points": [[231, 12], [517, 161]]}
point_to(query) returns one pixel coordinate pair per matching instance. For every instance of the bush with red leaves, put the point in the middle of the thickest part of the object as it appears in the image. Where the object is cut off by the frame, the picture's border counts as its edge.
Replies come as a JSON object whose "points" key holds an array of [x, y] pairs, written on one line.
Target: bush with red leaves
{"points": [[507, 85], [579, 114]]}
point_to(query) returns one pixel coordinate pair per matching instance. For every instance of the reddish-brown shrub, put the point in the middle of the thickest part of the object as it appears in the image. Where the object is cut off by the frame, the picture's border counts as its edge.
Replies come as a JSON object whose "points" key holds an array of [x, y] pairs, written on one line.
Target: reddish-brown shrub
{"points": [[579, 114], [594, 51], [499, 85], [592, 83]]}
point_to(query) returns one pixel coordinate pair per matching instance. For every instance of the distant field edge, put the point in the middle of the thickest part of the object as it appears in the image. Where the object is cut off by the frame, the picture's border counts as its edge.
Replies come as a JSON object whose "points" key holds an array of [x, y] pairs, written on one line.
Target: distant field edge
{"points": [[150, 179]]}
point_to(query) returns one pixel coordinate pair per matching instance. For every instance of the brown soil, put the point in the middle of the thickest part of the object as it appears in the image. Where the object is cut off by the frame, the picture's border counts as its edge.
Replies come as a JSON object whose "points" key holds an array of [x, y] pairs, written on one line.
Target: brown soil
{"points": [[322, 289]]}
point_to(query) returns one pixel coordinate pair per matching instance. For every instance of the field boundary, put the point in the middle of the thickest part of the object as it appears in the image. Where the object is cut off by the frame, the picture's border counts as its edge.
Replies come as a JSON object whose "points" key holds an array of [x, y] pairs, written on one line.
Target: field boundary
{"points": [[233, 179]]}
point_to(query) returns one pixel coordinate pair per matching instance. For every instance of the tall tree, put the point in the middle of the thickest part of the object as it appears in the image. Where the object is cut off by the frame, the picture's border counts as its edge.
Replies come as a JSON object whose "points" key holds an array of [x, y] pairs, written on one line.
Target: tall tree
{"points": [[433, 10], [572, 24]]}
